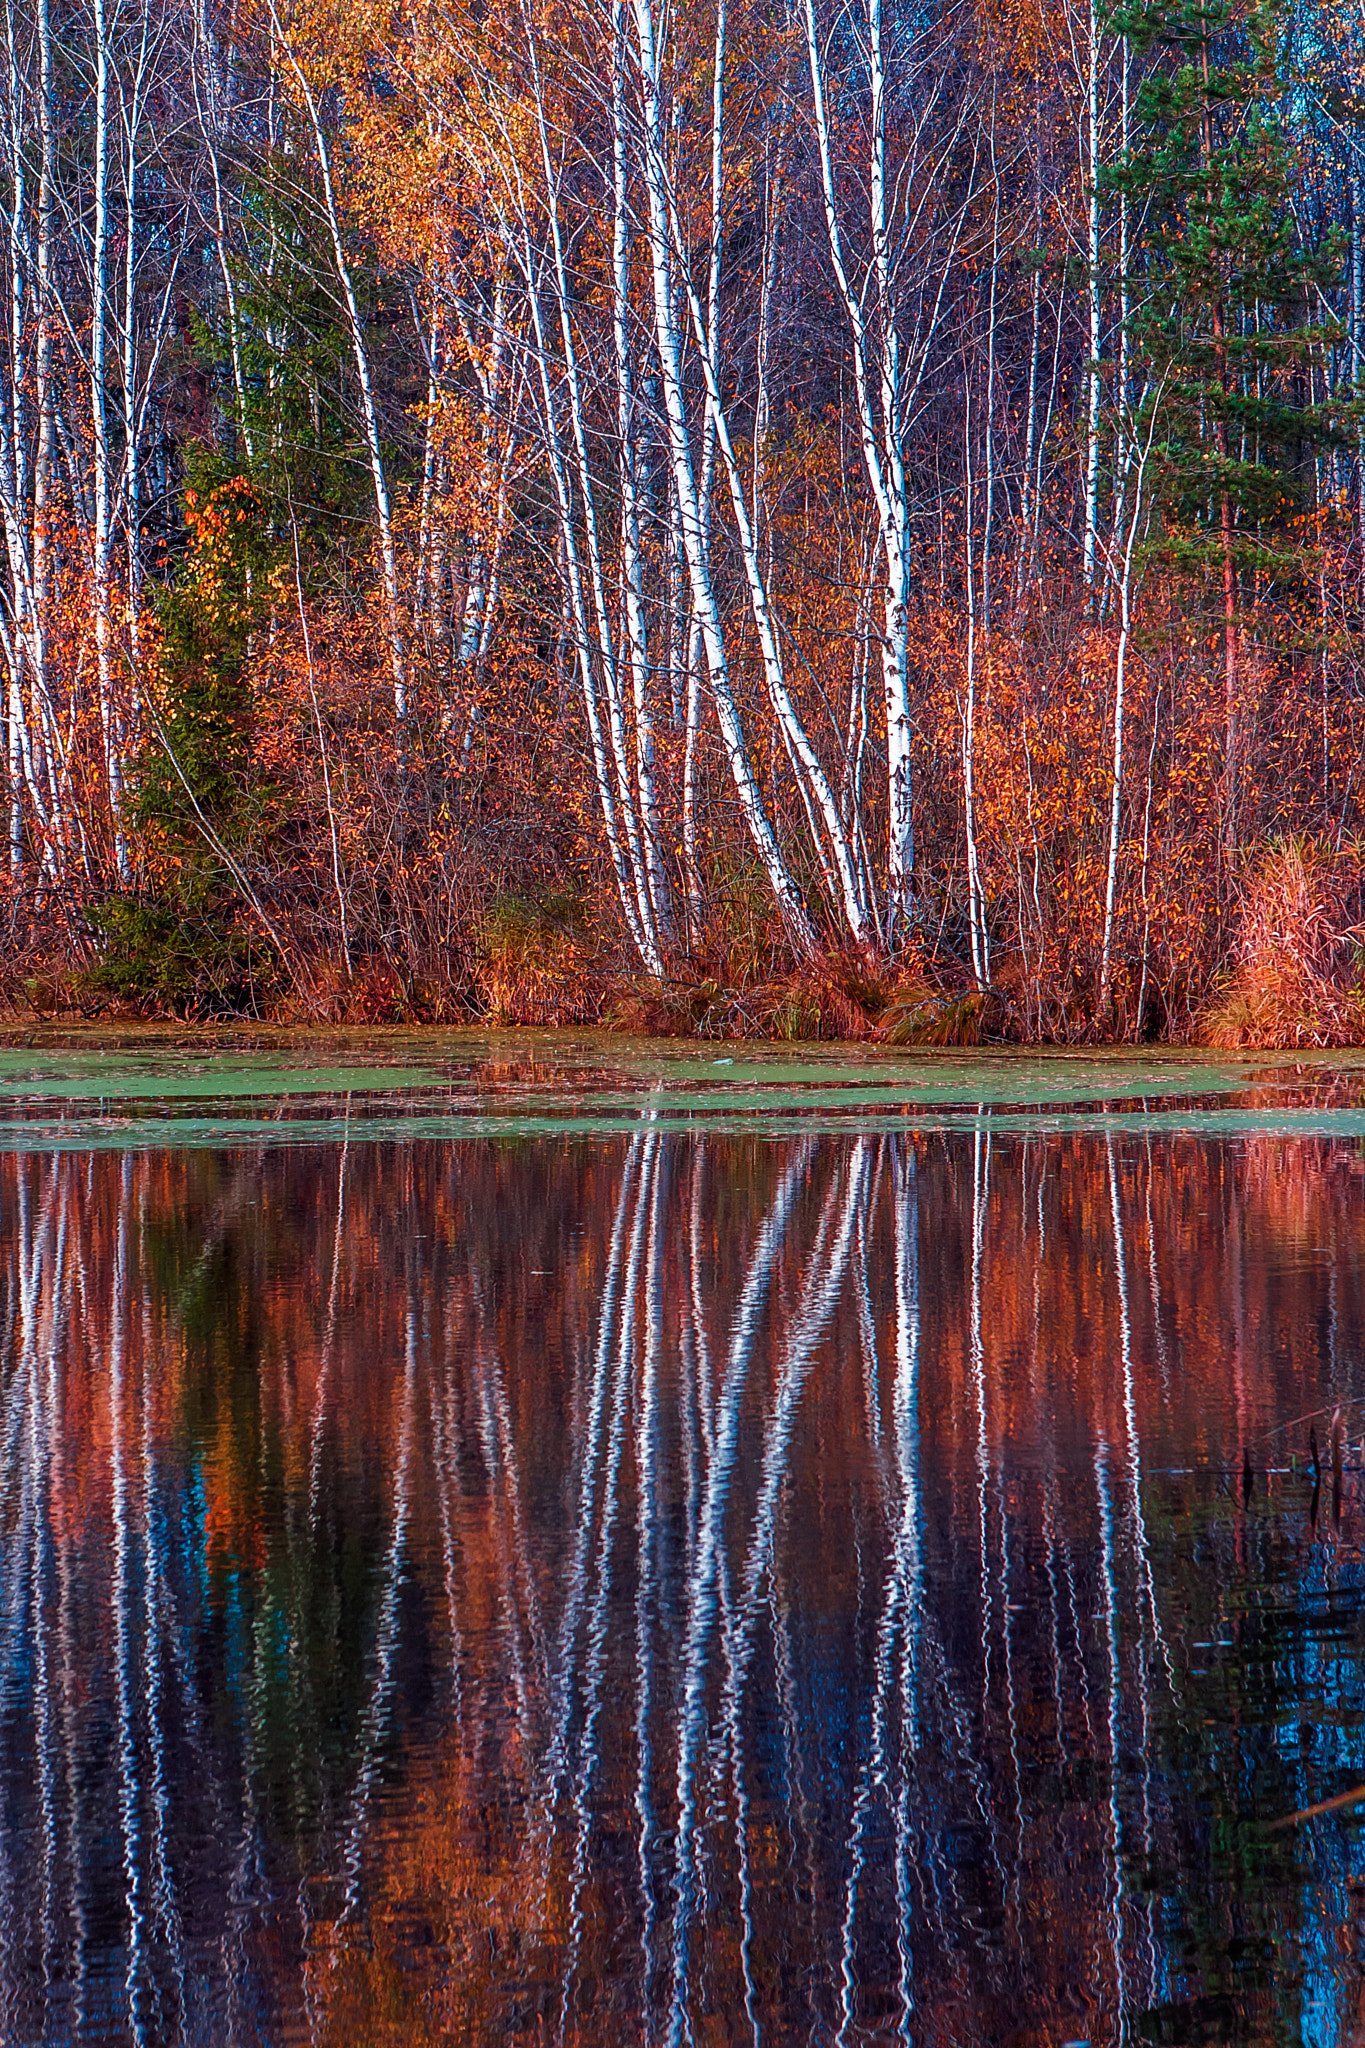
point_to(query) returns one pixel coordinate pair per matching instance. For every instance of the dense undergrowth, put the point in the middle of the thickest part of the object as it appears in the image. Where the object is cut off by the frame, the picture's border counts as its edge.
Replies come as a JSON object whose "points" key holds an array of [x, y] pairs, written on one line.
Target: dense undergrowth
{"points": [[1295, 977]]}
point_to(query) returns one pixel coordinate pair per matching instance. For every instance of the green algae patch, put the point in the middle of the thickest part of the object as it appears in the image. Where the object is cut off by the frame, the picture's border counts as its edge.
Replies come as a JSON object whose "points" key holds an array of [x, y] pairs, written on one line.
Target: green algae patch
{"points": [[158, 1086]]}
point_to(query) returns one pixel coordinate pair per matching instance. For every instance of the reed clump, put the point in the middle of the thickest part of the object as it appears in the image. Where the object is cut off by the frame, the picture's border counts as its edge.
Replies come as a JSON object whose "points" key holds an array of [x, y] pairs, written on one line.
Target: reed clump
{"points": [[1297, 979]]}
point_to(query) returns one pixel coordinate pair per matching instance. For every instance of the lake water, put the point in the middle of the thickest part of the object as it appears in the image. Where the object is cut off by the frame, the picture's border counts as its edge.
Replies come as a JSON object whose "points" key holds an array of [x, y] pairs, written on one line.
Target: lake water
{"points": [[547, 1541]]}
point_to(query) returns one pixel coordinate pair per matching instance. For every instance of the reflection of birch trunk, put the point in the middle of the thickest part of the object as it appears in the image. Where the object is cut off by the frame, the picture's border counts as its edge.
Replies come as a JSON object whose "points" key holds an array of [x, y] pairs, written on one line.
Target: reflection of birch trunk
{"points": [[1133, 1459], [981, 1191], [1138, 1530], [155, 1541], [129, 1786], [45, 1425], [899, 1621], [980, 1196], [595, 1652], [324, 1386], [1114, 1836], [822, 1282], [648, 1592], [375, 1723], [909, 1564], [576, 1582], [31, 1436], [707, 1561], [445, 1459], [499, 1453]]}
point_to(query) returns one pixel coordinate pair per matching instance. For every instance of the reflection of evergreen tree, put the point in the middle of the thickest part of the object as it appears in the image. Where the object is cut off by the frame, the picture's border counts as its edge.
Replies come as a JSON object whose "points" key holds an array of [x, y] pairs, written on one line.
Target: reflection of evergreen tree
{"points": [[1255, 1726]]}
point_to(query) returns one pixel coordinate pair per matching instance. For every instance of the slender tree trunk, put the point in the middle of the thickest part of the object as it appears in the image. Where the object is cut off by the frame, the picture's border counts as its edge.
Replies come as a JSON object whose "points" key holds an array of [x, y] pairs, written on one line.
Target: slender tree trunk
{"points": [[1125, 582], [1024, 563], [632, 561], [606, 639], [900, 844], [981, 966], [478, 595], [774, 197], [883, 455], [1123, 394], [1092, 427], [103, 538], [1358, 337], [424, 581], [795, 917], [988, 522], [696, 904], [388, 546], [578, 622], [816, 794], [206, 87], [1226, 524], [132, 435]]}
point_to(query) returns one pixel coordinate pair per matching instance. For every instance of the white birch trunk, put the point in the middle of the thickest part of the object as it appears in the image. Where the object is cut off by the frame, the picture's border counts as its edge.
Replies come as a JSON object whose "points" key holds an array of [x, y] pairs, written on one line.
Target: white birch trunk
{"points": [[43, 369], [632, 564], [1023, 560], [424, 582], [828, 836], [479, 600], [1125, 589], [20, 628], [981, 966], [611, 680], [102, 538], [205, 86], [1092, 426], [882, 447], [388, 547], [816, 793], [578, 620], [795, 917]]}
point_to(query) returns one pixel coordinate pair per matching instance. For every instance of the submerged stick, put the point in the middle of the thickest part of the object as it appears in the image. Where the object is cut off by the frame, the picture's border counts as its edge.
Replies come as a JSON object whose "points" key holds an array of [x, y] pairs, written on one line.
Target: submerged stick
{"points": [[1352, 1798]]}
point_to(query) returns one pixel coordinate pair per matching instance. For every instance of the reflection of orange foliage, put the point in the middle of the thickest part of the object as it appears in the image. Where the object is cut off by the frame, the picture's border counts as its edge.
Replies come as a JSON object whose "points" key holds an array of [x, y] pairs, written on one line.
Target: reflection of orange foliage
{"points": [[305, 1337]]}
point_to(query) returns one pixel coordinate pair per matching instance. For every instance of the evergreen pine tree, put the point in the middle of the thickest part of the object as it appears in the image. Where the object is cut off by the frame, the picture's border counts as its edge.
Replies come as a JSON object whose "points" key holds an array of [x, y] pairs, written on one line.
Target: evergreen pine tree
{"points": [[1226, 322]]}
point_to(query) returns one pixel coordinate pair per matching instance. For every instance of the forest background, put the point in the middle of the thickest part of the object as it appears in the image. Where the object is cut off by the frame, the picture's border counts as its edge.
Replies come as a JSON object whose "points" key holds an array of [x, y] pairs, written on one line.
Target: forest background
{"points": [[811, 517]]}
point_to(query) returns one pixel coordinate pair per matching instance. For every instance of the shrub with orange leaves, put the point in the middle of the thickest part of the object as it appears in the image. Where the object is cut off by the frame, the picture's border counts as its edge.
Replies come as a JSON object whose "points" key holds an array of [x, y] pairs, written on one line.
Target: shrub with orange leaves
{"points": [[1298, 979]]}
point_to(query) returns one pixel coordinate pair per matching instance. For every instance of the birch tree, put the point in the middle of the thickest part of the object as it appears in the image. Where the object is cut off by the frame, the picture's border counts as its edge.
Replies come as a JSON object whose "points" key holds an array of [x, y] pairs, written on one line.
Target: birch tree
{"points": [[893, 256]]}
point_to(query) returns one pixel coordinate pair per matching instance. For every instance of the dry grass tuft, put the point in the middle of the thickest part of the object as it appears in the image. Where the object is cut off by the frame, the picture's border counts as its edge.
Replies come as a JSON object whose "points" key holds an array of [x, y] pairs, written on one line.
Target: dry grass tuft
{"points": [[536, 963], [839, 997], [920, 1014], [1298, 975]]}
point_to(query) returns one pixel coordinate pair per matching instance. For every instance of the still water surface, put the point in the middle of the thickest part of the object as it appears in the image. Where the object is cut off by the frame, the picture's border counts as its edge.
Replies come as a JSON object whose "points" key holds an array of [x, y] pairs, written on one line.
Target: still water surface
{"points": [[557, 1549]]}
